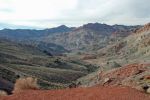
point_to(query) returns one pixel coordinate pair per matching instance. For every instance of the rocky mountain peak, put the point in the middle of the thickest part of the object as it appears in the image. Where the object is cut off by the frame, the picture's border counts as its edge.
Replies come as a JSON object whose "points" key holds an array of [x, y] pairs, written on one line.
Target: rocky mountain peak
{"points": [[97, 26]]}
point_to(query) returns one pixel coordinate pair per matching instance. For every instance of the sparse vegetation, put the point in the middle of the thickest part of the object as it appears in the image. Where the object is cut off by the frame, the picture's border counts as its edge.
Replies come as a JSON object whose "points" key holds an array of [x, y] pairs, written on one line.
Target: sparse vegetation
{"points": [[25, 84], [3, 93]]}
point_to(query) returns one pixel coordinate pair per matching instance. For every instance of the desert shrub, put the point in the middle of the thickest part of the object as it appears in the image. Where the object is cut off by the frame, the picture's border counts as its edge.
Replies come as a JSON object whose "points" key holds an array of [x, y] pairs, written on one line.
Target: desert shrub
{"points": [[28, 83], [3, 93], [148, 90]]}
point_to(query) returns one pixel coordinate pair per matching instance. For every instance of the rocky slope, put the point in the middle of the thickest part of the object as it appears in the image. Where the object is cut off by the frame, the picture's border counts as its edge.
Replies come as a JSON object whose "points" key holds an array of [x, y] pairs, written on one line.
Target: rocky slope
{"points": [[134, 48], [132, 52], [133, 75]]}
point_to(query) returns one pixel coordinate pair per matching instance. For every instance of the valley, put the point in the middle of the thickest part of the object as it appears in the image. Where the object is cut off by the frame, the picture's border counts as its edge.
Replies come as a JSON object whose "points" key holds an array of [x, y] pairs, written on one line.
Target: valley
{"points": [[74, 50], [17, 60], [87, 56]]}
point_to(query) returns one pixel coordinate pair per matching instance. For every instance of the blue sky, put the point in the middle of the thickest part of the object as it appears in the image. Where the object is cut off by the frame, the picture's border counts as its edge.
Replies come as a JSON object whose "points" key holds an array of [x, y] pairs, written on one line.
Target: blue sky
{"points": [[51, 13]]}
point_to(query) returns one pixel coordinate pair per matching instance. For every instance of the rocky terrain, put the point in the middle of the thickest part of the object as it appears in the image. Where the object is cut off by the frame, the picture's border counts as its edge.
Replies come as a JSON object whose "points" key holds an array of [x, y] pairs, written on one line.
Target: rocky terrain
{"points": [[131, 49], [91, 37], [133, 75], [111, 61], [123, 63]]}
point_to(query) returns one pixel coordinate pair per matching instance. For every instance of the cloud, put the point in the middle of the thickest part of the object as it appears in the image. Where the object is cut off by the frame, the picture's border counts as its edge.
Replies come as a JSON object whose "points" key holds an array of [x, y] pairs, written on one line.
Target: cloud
{"points": [[12, 26], [49, 13]]}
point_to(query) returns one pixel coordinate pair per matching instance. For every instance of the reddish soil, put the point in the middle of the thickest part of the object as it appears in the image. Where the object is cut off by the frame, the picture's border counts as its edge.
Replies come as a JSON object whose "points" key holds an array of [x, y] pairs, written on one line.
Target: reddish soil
{"points": [[120, 74], [93, 93]]}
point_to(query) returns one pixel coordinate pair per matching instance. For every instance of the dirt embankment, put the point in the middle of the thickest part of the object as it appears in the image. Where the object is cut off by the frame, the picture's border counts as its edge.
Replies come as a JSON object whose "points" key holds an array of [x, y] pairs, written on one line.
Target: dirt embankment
{"points": [[93, 93]]}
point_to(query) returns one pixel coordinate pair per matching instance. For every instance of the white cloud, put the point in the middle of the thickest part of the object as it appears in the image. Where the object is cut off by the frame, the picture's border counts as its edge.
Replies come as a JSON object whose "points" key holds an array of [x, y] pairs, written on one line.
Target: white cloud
{"points": [[38, 9], [49, 13]]}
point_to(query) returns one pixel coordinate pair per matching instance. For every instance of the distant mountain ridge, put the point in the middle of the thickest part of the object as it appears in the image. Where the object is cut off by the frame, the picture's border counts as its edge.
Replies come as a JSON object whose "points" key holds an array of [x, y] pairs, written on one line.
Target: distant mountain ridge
{"points": [[31, 34], [92, 36], [89, 37]]}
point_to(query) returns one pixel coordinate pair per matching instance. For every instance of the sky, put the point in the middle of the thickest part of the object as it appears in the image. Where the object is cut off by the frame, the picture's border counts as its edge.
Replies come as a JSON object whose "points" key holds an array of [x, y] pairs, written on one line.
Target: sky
{"points": [[52, 13]]}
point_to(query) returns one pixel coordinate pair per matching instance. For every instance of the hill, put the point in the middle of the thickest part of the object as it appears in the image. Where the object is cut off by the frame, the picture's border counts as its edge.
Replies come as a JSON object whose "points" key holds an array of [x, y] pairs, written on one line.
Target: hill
{"points": [[18, 60]]}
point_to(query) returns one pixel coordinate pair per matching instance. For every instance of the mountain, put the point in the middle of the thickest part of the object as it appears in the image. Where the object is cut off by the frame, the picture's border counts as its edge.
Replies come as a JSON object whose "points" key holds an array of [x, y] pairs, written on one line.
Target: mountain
{"points": [[125, 62], [35, 38], [134, 48], [31, 34], [135, 44], [93, 54], [90, 37]]}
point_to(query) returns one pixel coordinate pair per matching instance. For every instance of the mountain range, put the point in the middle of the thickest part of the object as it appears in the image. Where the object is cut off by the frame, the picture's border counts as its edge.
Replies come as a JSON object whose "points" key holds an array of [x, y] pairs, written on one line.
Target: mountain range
{"points": [[92, 36], [31, 34], [62, 55]]}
